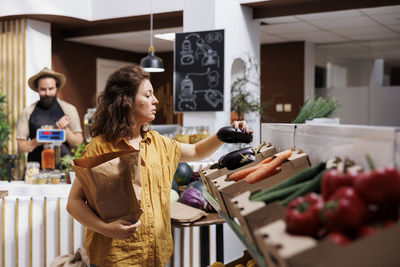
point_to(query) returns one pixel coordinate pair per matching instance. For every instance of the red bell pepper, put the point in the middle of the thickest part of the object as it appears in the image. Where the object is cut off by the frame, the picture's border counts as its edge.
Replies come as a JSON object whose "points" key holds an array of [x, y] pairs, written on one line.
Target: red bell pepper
{"points": [[384, 212], [373, 228], [302, 216], [332, 180], [344, 211], [381, 186], [339, 238]]}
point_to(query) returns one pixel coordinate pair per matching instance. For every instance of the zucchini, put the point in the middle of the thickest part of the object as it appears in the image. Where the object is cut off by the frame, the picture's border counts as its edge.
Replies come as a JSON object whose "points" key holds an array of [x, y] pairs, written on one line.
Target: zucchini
{"points": [[304, 175], [313, 185], [278, 194]]}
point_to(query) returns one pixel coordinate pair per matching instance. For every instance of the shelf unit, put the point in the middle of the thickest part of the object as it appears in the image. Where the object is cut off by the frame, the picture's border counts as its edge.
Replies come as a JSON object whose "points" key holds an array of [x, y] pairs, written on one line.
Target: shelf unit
{"points": [[322, 142]]}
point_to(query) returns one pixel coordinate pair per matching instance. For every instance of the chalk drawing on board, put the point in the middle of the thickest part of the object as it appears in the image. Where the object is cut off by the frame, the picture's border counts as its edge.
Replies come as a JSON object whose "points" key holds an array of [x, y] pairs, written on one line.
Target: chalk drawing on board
{"points": [[203, 50], [199, 61], [212, 96], [210, 58], [214, 37], [187, 57], [188, 95], [213, 79], [186, 53]]}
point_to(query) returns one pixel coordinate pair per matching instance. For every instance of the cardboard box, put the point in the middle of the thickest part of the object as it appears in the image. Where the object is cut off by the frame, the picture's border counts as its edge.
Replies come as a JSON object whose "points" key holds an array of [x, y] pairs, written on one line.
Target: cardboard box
{"points": [[281, 249], [253, 215], [209, 175], [226, 190]]}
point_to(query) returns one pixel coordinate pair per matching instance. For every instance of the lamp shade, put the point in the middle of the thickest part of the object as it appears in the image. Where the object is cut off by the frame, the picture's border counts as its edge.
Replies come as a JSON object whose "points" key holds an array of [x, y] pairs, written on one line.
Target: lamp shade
{"points": [[152, 63]]}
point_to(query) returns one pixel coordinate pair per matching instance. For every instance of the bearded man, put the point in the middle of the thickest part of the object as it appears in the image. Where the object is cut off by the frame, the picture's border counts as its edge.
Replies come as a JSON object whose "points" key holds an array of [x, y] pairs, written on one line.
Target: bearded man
{"points": [[48, 111]]}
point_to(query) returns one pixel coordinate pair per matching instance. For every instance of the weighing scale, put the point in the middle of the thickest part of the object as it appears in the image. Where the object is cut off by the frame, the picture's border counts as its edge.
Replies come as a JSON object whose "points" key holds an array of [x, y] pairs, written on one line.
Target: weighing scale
{"points": [[55, 137]]}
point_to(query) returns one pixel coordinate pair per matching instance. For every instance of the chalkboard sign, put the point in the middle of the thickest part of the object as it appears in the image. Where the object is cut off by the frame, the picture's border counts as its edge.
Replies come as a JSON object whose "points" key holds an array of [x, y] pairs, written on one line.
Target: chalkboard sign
{"points": [[199, 71]]}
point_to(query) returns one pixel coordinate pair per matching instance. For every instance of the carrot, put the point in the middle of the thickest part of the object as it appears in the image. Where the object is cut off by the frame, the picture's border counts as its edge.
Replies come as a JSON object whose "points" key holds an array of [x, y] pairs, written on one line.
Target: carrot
{"points": [[267, 160], [239, 175], [268, 169]]}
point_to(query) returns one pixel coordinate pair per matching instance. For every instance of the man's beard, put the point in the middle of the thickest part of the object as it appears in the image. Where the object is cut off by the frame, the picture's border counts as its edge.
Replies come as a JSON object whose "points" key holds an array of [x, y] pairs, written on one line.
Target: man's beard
{"points": [[47, 101]]}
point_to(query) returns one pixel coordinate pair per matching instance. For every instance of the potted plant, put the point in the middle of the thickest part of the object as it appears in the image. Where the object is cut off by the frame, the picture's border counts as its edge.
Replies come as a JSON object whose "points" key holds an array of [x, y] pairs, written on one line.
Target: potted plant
{"points": [[4, 136], [243, 101], [67, 161]]}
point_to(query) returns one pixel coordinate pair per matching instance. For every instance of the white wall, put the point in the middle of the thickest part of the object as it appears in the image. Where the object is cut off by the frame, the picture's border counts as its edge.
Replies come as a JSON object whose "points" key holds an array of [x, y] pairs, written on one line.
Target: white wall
{"points": [[309, 70], [353, 104], [384, 106], [369, 103], [38, 53], [104, 9], [72, 8], [241, 40], [88, 9]]}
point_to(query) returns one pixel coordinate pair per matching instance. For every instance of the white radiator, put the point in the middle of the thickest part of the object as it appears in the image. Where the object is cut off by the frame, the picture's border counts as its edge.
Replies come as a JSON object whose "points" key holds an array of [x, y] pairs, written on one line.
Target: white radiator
{"points": [[34, 230]]}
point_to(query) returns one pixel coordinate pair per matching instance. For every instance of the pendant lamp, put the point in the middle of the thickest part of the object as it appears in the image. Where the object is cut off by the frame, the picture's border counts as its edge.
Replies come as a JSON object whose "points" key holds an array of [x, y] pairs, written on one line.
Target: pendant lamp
{"points": [[152, 63]]}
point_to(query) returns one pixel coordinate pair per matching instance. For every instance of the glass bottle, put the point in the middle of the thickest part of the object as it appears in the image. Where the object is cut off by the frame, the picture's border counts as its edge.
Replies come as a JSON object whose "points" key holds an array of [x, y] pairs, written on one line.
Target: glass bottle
{"points": [[182, 136], [48, 157], [32, 168], [88, 120], [194, 136], [205, 132]]}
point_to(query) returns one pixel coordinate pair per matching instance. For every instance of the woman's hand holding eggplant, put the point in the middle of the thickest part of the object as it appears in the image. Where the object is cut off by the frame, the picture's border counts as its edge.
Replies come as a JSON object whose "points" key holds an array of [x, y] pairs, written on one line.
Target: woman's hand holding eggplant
{"points": [[237, 133]]}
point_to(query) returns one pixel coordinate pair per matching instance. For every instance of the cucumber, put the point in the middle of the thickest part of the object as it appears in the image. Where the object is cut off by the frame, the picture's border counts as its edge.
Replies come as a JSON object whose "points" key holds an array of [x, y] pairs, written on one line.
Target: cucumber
{"points": [[313, 185], [304, 175], [279, 194]]}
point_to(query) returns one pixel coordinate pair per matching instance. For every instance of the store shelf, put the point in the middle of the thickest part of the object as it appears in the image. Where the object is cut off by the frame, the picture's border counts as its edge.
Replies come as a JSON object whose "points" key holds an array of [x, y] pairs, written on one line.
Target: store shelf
{"points": [[236, 228]]}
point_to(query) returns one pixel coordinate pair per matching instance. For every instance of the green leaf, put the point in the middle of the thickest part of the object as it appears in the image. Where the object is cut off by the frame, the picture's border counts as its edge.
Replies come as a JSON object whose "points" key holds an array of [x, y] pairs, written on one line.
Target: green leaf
{"points": [[242, 100], [4, 136]]}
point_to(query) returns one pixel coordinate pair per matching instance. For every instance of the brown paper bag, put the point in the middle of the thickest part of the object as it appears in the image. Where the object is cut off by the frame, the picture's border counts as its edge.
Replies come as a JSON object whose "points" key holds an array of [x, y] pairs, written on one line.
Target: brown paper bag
{"points": [[112, 184]]}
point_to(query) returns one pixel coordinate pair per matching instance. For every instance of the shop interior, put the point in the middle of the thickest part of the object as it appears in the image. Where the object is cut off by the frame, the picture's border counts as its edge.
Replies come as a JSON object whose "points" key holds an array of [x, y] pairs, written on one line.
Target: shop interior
{"points": [[295, 51]]}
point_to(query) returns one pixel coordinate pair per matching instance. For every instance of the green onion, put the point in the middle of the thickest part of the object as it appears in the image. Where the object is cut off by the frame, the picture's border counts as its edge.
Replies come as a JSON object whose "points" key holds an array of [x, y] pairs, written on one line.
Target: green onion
{"points": [[317, 108]]}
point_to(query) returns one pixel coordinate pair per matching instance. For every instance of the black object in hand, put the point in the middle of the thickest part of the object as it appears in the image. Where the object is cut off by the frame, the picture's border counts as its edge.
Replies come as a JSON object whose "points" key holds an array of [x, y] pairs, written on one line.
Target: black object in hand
{"points": [[238, 158], [228, 134]]}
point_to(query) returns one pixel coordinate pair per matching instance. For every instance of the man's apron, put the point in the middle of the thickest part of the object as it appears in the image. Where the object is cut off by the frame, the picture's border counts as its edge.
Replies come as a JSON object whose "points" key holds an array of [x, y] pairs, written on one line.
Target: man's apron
{"points": [[40, 117]]}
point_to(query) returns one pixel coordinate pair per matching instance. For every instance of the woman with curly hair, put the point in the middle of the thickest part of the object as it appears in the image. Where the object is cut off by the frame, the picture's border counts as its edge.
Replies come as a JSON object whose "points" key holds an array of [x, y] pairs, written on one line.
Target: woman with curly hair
{"points": [[121, 122]]}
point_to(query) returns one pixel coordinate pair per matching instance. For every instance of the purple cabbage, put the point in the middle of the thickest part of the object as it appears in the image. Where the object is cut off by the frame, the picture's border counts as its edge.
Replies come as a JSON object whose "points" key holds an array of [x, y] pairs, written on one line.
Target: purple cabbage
{"points": [[193, 197]]}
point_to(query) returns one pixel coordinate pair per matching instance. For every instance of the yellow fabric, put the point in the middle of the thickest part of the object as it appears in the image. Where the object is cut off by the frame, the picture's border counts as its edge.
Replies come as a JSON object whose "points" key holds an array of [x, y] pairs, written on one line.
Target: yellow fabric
{"points": [[152, 245]]}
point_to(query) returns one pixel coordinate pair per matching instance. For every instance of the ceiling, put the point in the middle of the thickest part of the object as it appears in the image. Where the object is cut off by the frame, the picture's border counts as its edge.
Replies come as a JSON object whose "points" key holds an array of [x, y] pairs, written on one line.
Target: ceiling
{"points": [[375, 30]]}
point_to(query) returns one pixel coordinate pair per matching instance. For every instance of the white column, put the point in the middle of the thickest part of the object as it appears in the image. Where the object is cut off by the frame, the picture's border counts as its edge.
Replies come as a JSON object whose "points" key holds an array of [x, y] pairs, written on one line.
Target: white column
{"points": [[242, 39], [309, 70], [38, 52]]}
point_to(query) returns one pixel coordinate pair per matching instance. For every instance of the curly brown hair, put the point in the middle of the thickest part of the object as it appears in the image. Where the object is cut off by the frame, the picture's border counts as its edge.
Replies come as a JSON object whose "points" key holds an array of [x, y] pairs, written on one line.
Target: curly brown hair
{"points": [[114, 110]]}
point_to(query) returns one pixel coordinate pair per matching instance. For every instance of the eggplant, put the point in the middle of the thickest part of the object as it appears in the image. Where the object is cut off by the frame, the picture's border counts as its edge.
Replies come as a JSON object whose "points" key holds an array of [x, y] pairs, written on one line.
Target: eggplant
{"points": [[193, 197], [228, 134], [239, 158]]}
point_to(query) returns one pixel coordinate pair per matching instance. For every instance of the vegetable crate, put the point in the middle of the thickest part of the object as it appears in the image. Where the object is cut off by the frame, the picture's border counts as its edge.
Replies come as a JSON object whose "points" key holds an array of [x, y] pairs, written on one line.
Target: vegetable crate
{"points": [[281, 249], [227, 190], [254, 214], [209, 176]]}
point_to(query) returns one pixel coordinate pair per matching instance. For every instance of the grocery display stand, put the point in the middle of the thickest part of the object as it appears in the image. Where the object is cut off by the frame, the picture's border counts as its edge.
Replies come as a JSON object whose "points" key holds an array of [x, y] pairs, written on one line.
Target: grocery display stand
{"points": [[322, 142]]}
